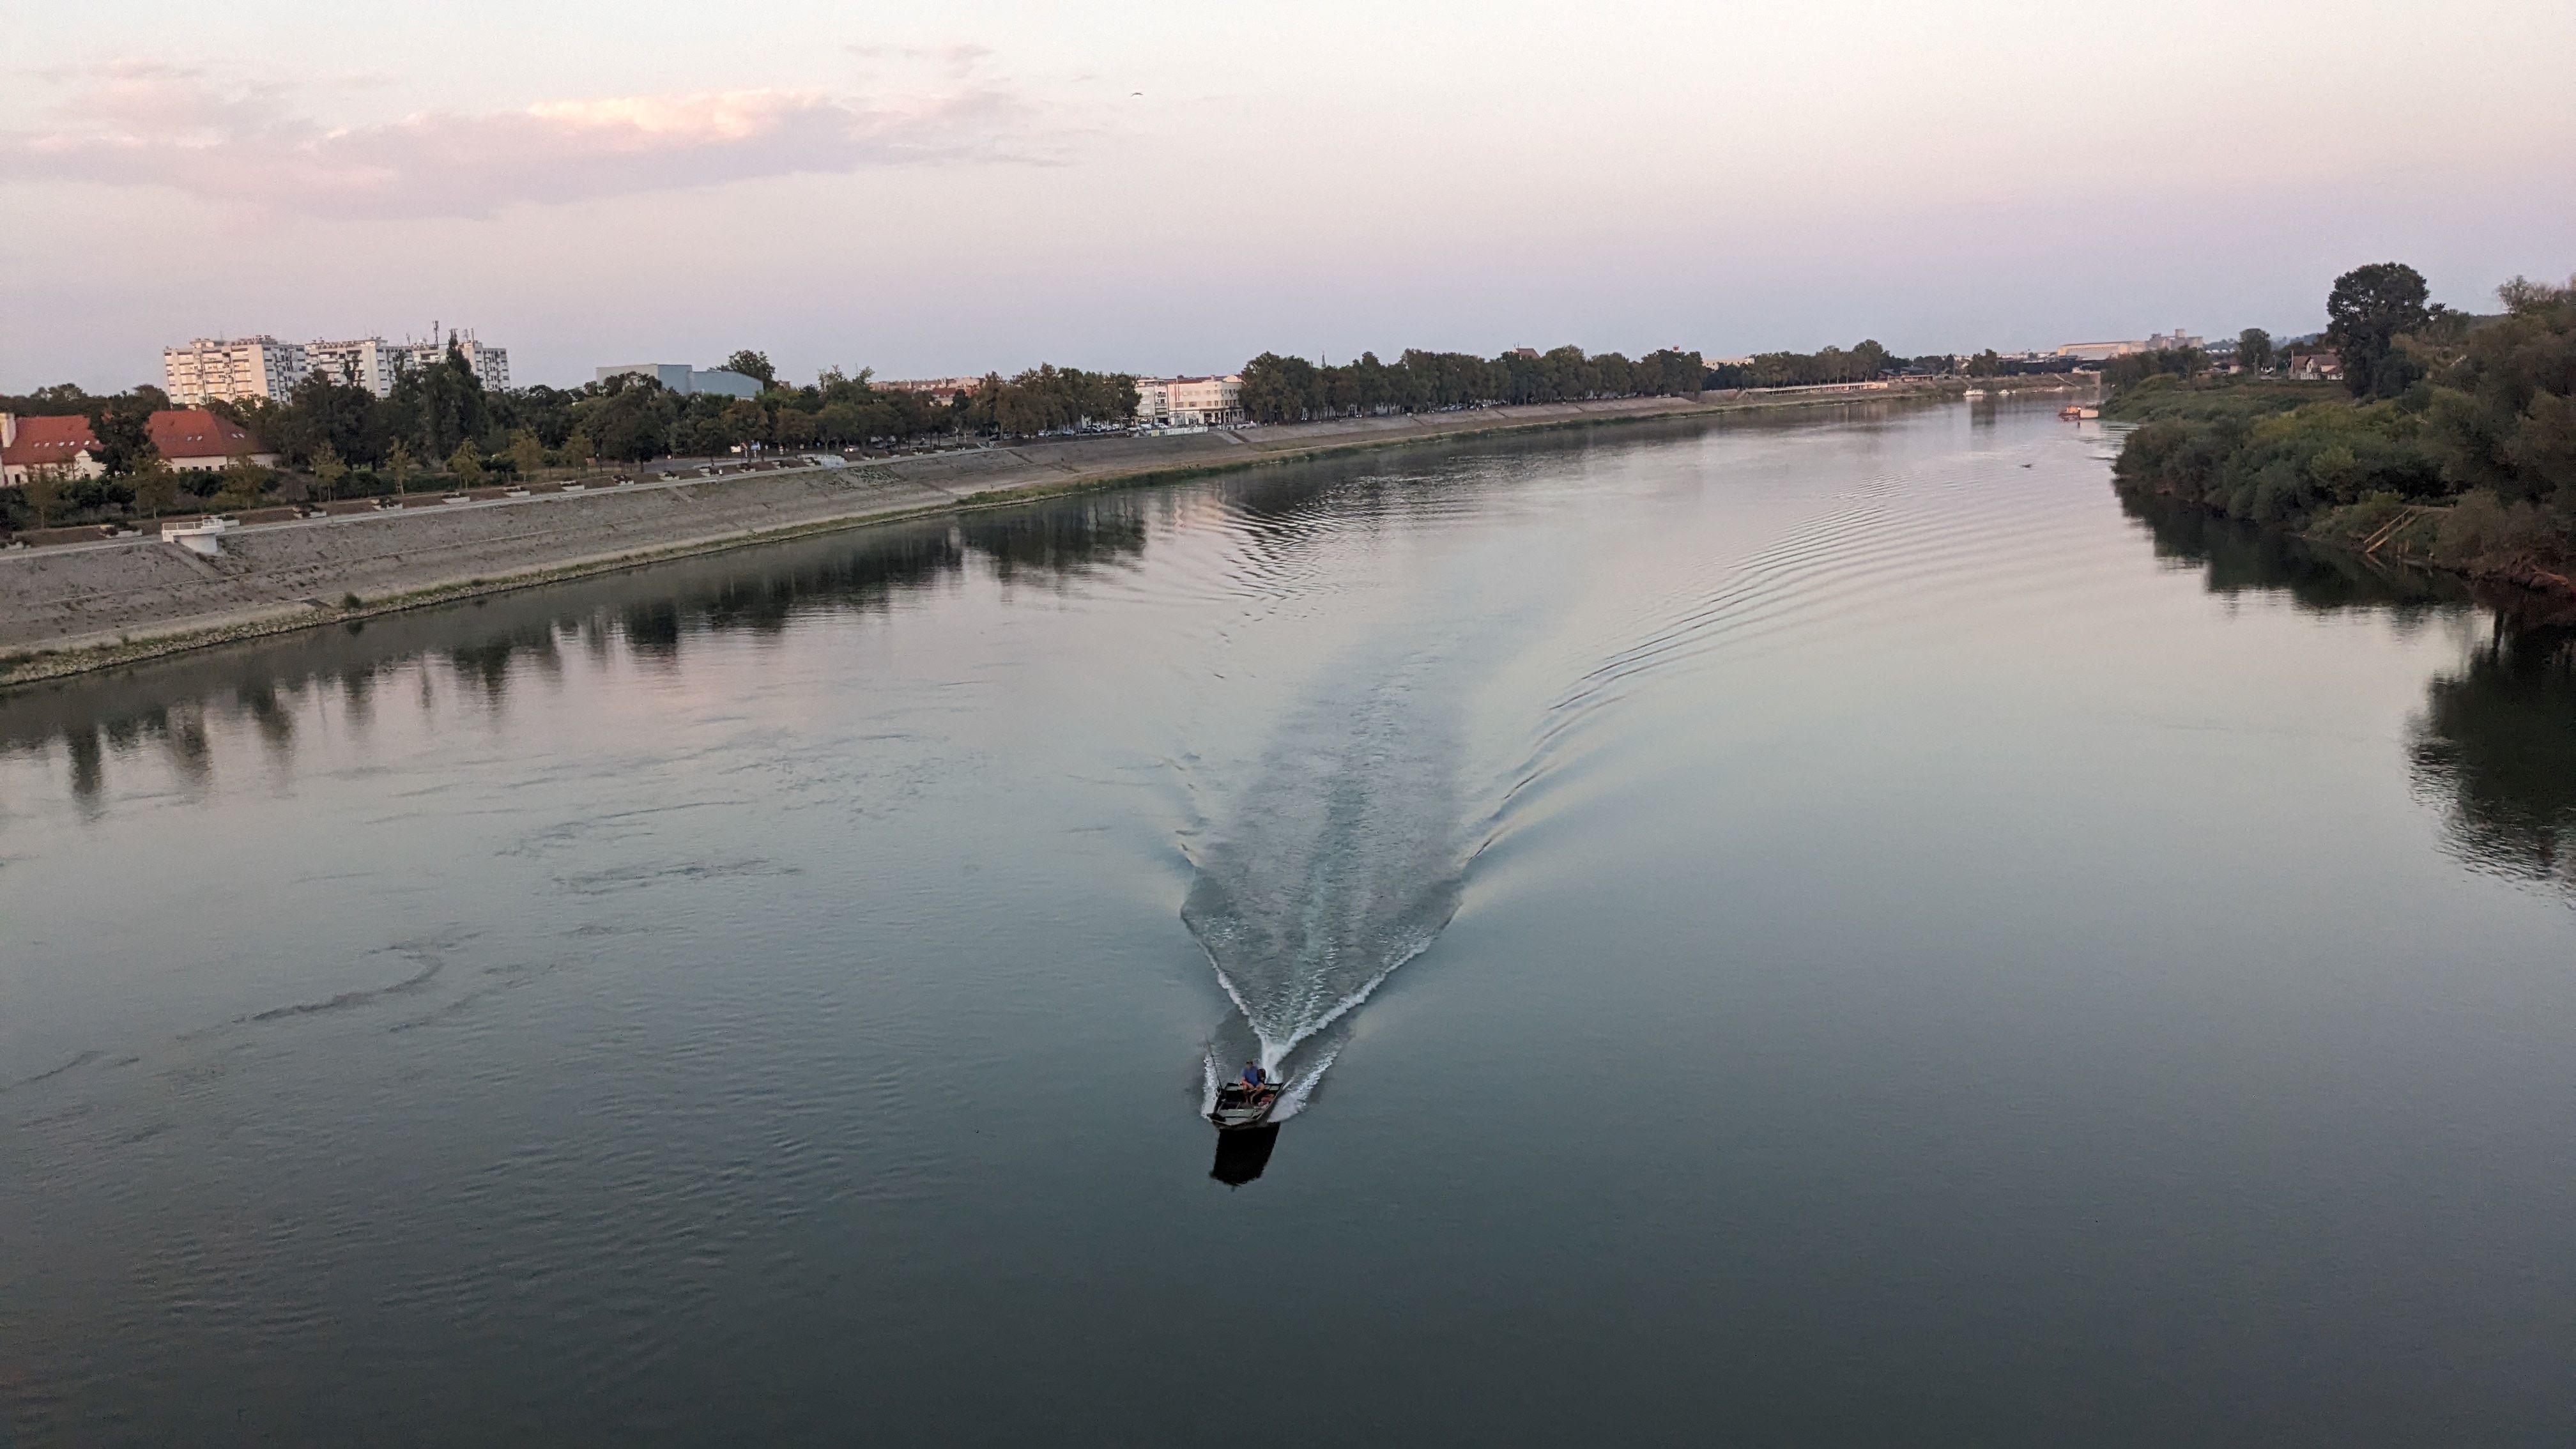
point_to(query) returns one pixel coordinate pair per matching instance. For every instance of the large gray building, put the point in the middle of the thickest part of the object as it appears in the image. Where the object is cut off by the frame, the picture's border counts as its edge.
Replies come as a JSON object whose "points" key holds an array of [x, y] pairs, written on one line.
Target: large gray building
{"points": [[683, 379]]}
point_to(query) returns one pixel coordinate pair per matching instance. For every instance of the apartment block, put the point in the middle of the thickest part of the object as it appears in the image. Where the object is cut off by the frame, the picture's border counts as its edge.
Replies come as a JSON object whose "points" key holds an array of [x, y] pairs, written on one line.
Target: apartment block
{"points": [[234, 369], [490, 365], [231, 369], [368, 362]]}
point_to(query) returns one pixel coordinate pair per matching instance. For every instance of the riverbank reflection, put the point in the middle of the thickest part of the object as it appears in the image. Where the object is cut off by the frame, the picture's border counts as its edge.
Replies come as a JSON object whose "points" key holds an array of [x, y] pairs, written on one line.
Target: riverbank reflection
{"points": [[485, 647], [2495, 747]]}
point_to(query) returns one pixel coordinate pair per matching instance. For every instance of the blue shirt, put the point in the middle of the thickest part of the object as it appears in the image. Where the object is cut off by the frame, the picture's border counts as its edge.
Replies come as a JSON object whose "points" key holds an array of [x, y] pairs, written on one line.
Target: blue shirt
{"points": [[1252, 1076]]}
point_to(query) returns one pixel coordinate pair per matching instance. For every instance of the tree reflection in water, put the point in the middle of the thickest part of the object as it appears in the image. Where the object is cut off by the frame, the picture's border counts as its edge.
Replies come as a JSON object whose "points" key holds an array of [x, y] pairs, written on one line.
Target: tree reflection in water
{"points": [[485, 643], [2495, 748]]}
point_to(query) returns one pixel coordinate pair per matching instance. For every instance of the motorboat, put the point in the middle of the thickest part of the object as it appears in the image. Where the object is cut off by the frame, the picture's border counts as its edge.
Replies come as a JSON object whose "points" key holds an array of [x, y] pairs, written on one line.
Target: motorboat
{"points": [[1240, 1105]]}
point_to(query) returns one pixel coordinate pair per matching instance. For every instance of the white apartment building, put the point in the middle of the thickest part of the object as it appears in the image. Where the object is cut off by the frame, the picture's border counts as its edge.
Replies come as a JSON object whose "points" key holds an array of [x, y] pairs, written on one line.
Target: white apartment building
{"points": [[490, 365], [231, 369], [1189, 402], [367, 362]]}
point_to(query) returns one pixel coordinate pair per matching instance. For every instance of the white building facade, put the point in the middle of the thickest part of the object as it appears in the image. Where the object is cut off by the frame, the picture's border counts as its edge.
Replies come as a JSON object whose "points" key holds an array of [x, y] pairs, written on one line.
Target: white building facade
{"points": [[368, 362], [1189, 402], [240, 369], [231, 369], [490, 365]]}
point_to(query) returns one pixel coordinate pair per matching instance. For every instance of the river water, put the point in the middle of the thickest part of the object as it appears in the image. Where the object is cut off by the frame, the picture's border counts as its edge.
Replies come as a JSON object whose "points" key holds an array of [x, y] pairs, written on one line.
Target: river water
{"points": [[1820, 930]]}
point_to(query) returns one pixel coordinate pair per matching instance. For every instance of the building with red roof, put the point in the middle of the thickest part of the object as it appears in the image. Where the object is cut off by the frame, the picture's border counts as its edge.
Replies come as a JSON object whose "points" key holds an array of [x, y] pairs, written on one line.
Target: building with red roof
{"points": [[66, 444], [194, 438], [187, 438]]}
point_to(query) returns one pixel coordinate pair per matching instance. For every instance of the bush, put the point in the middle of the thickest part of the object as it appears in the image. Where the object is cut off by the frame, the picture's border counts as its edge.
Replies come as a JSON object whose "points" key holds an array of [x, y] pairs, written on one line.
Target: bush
{"points": [[2485, 534]]}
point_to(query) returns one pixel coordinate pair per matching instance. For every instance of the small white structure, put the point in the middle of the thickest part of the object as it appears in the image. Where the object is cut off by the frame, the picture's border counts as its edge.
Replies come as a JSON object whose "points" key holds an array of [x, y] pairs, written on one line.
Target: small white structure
{"points": [[205, 536]]}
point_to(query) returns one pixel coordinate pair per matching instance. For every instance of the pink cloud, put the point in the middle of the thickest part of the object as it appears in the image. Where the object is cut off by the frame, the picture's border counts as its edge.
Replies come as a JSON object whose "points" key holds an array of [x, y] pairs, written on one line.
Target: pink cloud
{"points": [[145, 125]]}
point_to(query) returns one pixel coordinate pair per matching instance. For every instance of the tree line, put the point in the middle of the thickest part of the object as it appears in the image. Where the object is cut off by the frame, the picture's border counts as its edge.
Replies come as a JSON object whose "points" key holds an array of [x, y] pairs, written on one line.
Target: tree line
{"points": [[441, 424], [1280, 389], [2453, 435], [444, 415]]}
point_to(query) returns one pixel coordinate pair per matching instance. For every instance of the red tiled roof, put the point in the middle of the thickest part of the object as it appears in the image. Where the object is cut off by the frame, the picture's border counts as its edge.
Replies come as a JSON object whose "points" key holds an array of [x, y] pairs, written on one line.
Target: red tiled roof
{"points": [[45, 441], [198, 433]]}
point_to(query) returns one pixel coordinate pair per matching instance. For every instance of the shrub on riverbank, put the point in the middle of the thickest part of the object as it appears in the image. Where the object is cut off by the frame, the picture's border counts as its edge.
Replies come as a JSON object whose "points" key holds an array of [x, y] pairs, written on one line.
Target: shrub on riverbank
{"points": [[2472, 465]]}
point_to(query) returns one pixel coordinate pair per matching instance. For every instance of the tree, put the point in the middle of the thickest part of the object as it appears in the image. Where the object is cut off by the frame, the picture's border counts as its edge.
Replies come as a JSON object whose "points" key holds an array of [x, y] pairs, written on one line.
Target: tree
{"points": [[243, 483], [2369, 308], [2254, 349], [2131, 368], [442, 406], [121, 425], [577, 450], [399, 465], [156, 487], [43, 489], [753, 365], [527, 455], [631, 419], [466, 464], [742, 422], [2522, 295], [328, 467], [1279, 389]]}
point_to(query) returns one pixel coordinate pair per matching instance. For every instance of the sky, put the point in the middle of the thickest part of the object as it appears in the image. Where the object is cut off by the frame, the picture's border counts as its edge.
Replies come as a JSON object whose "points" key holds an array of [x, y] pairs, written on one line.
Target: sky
{"points": [[1159, 187]]}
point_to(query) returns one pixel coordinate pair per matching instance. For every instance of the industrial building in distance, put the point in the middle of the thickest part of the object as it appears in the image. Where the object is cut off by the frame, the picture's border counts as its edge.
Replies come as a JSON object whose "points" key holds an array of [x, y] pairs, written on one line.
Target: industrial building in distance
{"points": [[685, 380], [2177, 340], [244, 369]]}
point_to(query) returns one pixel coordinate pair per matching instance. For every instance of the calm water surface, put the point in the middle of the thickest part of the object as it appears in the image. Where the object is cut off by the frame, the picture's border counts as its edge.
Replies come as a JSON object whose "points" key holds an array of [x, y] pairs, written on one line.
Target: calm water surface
{"points": [[1816, 932]]}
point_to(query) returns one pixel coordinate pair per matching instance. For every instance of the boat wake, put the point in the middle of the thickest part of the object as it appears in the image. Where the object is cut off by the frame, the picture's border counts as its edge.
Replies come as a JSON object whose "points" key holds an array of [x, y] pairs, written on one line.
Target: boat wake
{"points": [[1348, 852], [1344, 859]]}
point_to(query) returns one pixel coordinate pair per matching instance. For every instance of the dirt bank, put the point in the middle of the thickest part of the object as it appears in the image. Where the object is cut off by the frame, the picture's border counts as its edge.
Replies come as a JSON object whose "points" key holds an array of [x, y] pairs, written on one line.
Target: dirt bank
{"points": [[85, 606]]}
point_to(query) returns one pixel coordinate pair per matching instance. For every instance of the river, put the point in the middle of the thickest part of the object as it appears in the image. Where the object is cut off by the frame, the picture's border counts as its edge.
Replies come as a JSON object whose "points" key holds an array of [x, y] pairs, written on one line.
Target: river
{"points": [[1832, 929]]}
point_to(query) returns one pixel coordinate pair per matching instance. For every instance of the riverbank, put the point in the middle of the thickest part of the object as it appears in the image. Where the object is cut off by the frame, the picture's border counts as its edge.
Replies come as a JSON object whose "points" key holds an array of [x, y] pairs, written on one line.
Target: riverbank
{"points": [[2431, 536], [2382, 479], [69, 609]]}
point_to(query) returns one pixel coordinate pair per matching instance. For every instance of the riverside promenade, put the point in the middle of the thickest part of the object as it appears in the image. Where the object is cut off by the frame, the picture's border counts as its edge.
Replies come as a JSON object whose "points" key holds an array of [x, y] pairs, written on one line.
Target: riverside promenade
{"points": [[72, 608]]}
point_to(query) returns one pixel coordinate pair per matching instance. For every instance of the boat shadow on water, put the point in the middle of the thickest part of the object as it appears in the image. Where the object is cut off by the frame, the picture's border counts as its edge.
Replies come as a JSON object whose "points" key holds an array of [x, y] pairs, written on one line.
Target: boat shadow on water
{"points": [[1242, 1153]]}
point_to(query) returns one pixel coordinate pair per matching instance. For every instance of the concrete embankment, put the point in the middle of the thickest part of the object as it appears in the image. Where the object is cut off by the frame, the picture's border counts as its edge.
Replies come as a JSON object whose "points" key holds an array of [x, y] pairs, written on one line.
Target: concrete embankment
{"points": [[71, 608]]}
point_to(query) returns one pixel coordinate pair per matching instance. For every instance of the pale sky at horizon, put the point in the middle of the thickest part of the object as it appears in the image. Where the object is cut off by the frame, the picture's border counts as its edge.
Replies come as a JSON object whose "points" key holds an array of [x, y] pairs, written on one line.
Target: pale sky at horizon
{"points": [[981, 186]]}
